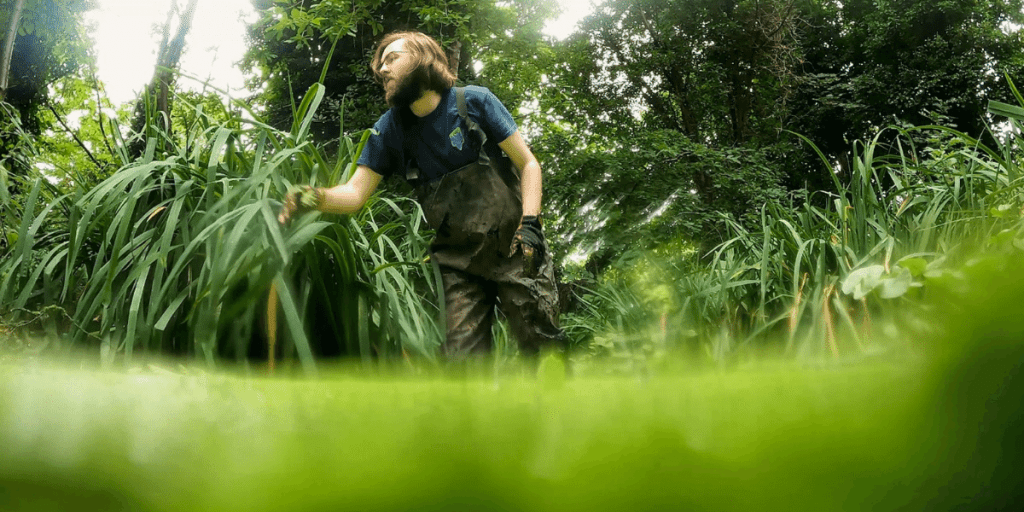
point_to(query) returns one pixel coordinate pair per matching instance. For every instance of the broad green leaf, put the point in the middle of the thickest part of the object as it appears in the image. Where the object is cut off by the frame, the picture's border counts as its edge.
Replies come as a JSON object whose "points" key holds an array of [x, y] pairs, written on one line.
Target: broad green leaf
{"points": [[916, 266], [895, 284], [862, 281], [1002, 211]]}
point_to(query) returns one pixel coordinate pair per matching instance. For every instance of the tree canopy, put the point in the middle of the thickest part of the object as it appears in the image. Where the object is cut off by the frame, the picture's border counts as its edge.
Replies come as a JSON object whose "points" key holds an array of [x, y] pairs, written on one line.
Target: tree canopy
{"points": [[868, 64], [49, 43], [685, 107], [656, 120], [293, 42]]}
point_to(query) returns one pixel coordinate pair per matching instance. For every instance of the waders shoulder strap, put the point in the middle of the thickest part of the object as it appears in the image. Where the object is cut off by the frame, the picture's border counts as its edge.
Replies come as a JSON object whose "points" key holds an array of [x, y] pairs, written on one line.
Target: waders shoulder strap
{"points": [[473, 126], [460, 100], [412, 169]]}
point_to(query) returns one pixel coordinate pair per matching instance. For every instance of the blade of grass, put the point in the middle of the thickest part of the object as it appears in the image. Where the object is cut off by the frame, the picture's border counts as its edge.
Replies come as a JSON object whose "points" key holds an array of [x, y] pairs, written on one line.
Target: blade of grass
{"points": [[294, 325]]}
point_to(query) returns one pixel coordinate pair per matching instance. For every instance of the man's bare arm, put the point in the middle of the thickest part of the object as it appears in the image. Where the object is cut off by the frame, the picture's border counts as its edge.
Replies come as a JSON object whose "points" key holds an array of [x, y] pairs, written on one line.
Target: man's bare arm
{"points": [[350, 196], [346, 198], [529, 170]]}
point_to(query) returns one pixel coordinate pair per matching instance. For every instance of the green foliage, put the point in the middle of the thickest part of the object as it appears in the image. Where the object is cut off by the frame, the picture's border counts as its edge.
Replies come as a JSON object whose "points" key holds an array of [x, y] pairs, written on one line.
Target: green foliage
{"points": [[726, 76], [712, 70], [825, 274], [658, 125], [178, 253], [79, 146], [292, 41], [664, 116], [868, 64], [653, 188], [18, 150], [767, 436], [817, 270], [50, 44]]}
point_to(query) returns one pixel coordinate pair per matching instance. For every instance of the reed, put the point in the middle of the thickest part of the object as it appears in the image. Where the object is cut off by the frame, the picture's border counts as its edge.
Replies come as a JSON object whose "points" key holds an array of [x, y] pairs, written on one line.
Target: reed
{"points": [[176, 252]]}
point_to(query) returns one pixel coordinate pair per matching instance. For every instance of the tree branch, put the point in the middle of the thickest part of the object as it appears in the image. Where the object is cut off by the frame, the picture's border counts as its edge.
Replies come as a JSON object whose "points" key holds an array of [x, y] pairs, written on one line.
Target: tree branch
{"points": [[99, 112], [454, 56], [72, 133], [673, 76]]}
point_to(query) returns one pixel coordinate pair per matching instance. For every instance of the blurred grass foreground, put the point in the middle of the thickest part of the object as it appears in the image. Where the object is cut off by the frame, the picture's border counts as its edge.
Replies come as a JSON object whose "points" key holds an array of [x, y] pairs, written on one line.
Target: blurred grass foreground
{"points": [[941, 431]]}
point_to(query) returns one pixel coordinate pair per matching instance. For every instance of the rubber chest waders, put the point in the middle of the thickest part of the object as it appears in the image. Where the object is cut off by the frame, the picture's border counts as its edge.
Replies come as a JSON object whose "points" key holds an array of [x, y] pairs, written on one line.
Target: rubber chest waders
{"points": [[475, 211]]}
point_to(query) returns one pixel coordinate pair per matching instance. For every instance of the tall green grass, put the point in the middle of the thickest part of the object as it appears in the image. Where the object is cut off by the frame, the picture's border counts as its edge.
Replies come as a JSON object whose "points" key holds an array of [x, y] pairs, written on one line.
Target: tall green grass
{"points": [[176, 252], [938, 432], [822, 269]]}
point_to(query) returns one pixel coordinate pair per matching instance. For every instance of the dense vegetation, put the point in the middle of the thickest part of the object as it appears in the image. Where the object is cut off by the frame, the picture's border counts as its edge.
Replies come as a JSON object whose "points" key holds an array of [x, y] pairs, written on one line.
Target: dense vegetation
{"points": [[790, 235], [939, 432], [723, 177]]}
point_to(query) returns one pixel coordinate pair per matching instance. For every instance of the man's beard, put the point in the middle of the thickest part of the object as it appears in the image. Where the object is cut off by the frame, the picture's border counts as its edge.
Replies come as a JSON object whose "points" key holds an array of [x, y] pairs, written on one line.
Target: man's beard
{"points": [[403, 90]]}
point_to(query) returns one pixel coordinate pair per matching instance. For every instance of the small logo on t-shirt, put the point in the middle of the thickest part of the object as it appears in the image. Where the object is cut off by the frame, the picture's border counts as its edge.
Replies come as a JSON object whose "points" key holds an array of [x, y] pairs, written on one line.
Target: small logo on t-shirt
{"points": [[456, 138]]}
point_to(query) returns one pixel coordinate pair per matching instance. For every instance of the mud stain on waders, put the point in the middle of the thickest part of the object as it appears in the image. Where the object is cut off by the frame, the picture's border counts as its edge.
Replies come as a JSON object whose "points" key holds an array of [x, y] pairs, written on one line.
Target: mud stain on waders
{"points": [[475, 212]]}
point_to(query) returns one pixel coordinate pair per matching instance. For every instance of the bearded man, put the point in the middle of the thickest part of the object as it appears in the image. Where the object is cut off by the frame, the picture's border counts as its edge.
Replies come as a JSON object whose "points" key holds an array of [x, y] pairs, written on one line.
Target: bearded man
{"points": [[447, 143]]}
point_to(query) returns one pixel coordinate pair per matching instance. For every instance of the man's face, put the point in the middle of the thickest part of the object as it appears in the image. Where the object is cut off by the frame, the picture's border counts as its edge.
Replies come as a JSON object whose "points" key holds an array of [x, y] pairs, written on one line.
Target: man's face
{"points": [[401, 82]]}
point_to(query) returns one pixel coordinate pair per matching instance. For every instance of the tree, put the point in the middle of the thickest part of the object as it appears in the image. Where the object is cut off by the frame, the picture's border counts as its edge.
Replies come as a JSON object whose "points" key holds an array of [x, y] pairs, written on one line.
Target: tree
{"points": [[711, 70], [81, 146], [669, 114], [291, 44], [153, 109], [869, 64], [8, 47], [719, 80], [47, 43], [43, 42]]}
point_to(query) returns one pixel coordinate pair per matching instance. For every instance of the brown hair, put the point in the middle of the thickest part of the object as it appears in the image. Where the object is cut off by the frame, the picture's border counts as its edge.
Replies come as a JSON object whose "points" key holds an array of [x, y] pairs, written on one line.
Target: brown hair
{"points": [[428, 55]]}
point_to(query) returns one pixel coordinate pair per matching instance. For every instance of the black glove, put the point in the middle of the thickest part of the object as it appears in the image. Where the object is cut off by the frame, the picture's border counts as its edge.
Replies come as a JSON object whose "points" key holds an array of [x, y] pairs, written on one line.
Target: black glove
{"points": [[530, 238]]}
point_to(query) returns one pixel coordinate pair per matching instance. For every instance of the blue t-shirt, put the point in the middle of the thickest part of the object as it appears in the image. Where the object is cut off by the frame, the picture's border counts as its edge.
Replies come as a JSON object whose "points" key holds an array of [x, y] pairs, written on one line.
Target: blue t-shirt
{"points": [[442, 140]]}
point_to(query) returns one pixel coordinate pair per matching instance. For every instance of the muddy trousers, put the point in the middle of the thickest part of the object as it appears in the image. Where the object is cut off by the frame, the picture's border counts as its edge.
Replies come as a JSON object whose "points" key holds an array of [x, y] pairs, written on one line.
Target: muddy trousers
{"points": [[530, 305]]}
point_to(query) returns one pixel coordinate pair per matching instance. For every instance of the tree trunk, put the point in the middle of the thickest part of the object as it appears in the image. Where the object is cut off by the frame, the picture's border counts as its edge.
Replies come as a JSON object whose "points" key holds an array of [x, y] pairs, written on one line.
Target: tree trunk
{"points": [[159, 88], [454, 56], [12, 34]]}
